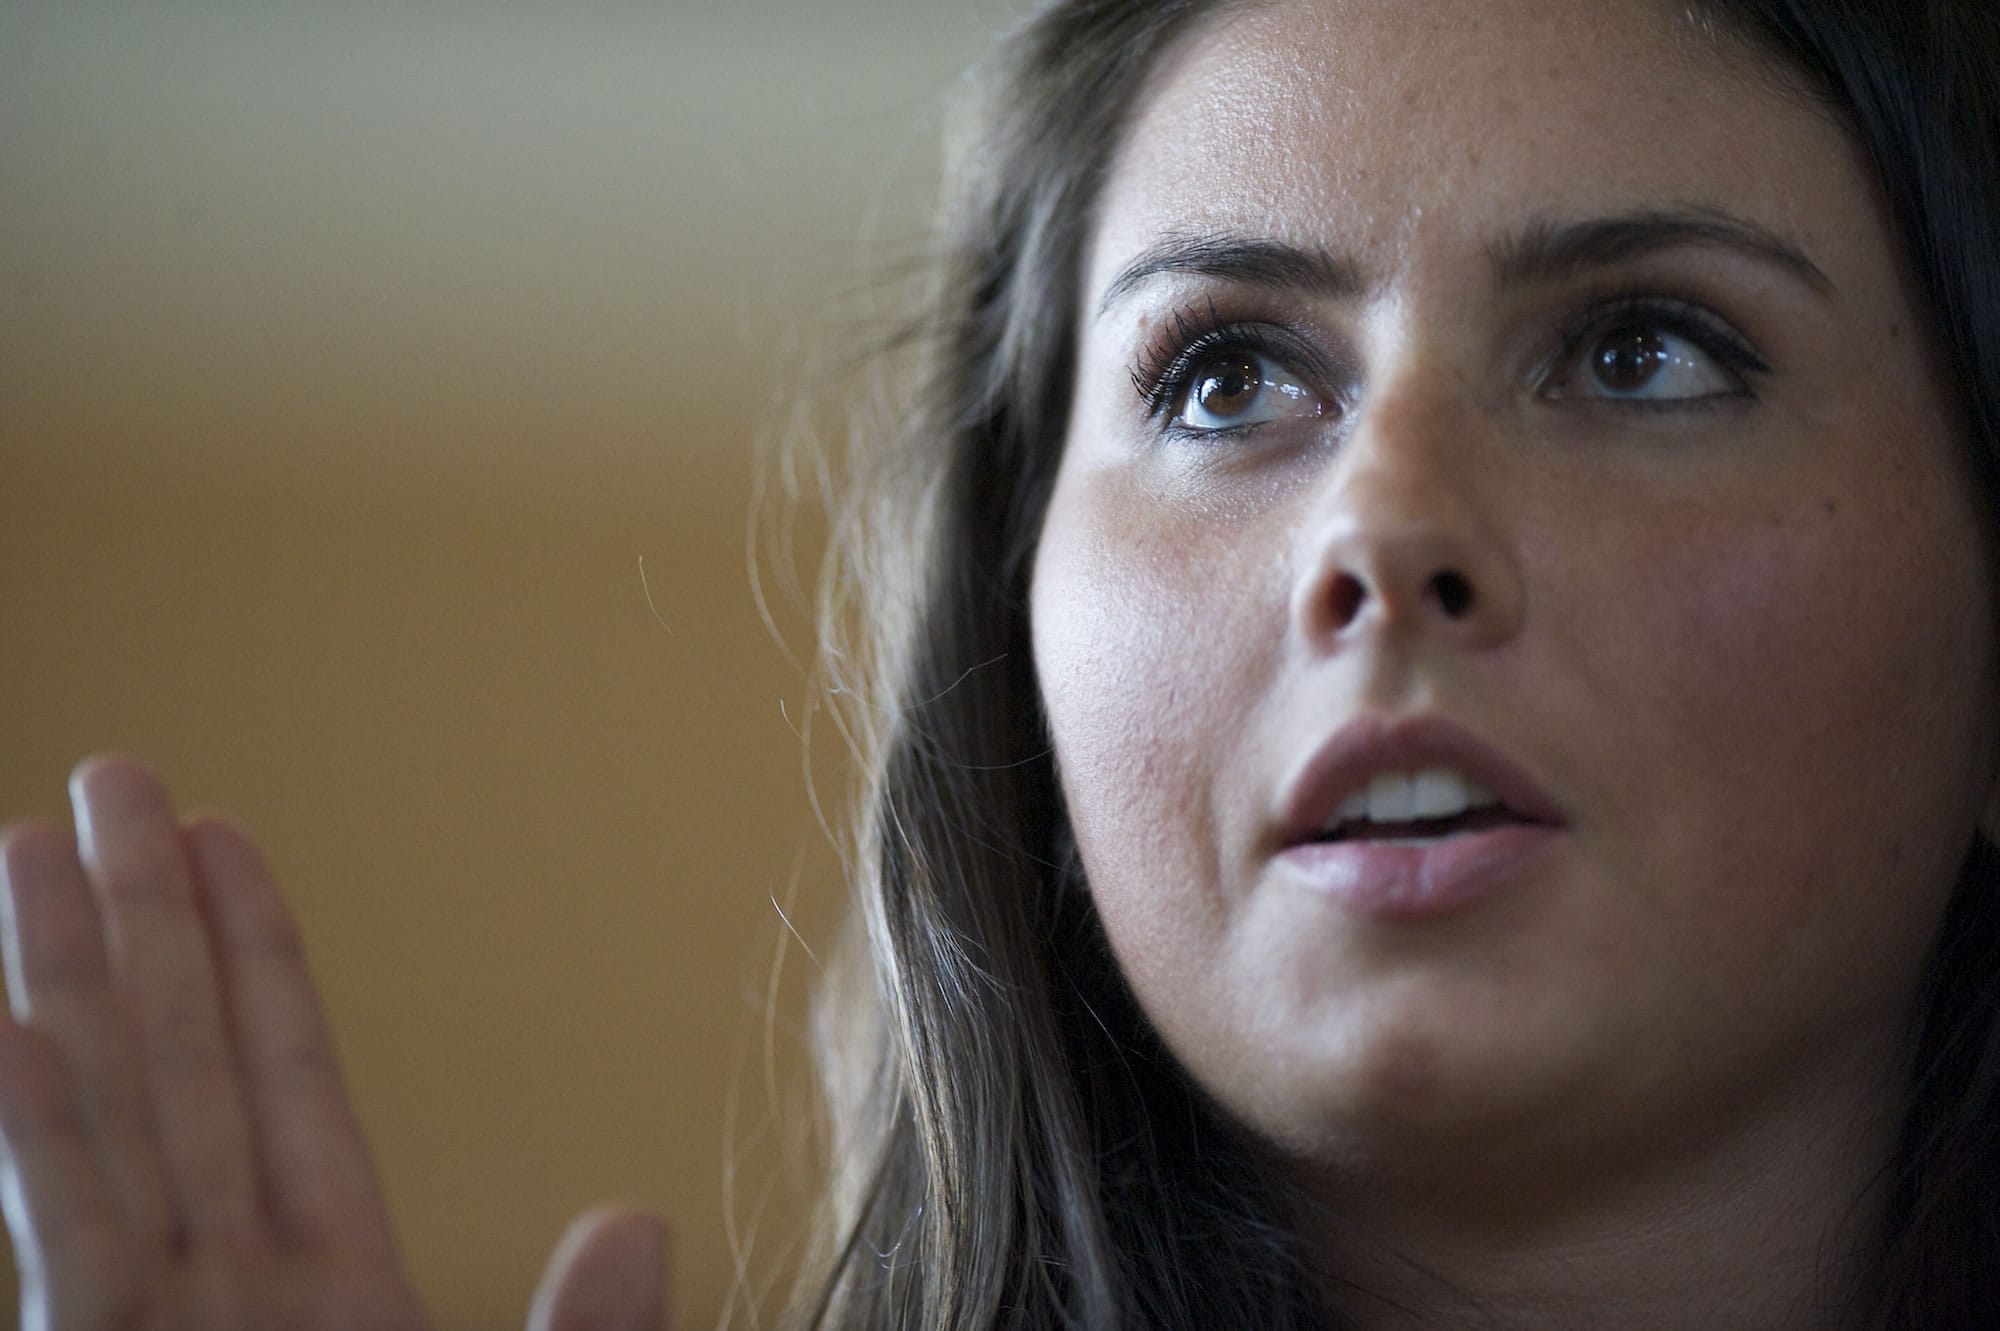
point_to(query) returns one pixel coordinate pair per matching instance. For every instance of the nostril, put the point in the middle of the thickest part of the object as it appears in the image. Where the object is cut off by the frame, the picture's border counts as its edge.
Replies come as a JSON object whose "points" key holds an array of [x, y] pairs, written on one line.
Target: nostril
{"points": [[1453, 592], [1348, 594]]}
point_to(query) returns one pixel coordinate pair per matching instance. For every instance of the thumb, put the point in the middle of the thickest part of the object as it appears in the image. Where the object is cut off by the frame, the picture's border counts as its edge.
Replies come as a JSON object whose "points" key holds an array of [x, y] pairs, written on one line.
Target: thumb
{"points": [[609, 1273]]}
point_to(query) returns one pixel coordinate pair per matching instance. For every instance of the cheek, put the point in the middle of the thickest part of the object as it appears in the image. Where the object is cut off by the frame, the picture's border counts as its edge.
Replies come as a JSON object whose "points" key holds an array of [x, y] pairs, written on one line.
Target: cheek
{"points": [[1152, 646], [1834, 632], [1798, 773], [1729, 627]]}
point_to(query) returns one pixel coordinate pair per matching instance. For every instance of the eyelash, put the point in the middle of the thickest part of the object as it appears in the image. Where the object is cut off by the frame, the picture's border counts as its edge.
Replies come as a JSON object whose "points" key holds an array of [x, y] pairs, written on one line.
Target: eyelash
{"points": [[1605, 314], [1164, 371]]}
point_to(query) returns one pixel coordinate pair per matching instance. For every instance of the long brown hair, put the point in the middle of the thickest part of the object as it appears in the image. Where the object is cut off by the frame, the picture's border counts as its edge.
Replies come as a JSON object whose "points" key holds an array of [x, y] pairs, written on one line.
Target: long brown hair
{"points": [[1010, 1145]]}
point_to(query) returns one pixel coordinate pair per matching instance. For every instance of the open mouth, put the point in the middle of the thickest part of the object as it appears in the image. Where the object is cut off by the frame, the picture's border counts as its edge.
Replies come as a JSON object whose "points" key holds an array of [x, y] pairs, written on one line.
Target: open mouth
{"points": [[1419, 831], [1413, 819], [1422, 784]]}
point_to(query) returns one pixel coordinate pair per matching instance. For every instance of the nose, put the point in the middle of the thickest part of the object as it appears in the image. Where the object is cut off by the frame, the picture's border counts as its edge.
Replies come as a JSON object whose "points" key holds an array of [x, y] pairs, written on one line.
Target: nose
{"points": [[1404, 537]]}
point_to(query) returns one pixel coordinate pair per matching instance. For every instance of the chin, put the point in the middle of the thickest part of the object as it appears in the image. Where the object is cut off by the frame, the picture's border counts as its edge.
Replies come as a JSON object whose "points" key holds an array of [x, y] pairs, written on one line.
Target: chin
{"points": [[1419, 1089]]}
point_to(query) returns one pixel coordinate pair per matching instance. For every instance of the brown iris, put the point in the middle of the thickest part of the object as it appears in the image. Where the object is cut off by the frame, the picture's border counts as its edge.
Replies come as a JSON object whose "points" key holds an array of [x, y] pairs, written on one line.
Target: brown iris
{"points": [[1628, 359], [1227, 385]]}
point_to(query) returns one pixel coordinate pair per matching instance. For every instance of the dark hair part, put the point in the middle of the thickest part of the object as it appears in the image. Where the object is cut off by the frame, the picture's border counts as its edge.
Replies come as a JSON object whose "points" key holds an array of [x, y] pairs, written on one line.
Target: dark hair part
{"points": [[1010, 1146]]}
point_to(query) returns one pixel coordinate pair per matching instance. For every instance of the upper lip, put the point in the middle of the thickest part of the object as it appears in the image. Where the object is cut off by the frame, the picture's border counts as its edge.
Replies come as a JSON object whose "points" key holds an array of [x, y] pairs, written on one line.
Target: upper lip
{"points": [[1369, 746]]}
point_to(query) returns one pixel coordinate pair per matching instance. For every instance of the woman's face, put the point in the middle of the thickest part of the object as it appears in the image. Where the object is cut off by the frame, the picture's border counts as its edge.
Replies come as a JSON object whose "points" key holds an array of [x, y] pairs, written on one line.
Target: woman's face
{"points": [[1524, 396]]}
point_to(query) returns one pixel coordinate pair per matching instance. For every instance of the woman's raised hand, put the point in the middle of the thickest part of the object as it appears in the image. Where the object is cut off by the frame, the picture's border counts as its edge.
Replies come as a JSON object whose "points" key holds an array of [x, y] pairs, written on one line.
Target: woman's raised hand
{"points": [[176, 1151]]}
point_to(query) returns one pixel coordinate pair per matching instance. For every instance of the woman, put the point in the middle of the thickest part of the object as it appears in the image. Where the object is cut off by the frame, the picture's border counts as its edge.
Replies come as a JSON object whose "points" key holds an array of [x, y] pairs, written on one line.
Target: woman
{"points": [[1431, 722]]}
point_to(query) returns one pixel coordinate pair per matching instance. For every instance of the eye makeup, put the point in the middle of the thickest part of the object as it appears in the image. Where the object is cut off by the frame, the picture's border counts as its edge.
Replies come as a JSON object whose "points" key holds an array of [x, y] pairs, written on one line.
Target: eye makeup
{"points": [[1199, 334]]}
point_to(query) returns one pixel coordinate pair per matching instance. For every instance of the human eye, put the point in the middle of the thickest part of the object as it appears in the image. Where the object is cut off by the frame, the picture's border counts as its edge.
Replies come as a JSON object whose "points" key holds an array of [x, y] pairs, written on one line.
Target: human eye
{"points": [[1206, 378], [1652, 353]]}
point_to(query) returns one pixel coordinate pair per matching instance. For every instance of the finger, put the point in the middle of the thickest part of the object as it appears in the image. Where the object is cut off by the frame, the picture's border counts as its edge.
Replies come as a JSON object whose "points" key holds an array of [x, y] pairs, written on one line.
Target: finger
{"points": [[160, 956], [59, 981], [76, 1263], [609, 1273], [319, 1181]]}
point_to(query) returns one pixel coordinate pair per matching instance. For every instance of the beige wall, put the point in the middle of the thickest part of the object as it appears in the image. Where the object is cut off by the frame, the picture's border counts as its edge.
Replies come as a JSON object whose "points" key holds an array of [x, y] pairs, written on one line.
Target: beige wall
{"points": [[353, 357]]}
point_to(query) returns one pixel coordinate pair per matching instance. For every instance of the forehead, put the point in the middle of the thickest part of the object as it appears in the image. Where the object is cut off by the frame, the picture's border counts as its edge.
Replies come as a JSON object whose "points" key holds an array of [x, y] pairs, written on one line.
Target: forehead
{"points": [[1365, 126]]}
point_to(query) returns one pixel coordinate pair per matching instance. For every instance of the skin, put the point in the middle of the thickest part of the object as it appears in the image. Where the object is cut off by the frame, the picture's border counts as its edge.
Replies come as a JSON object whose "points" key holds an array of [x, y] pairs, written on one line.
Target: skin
{"points": [[1744, 639]]}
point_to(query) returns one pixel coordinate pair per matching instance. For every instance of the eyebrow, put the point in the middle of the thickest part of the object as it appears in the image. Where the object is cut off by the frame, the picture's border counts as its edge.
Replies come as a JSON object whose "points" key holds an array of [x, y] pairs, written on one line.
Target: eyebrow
{"points": [[1542, 252], [1245, 259]]}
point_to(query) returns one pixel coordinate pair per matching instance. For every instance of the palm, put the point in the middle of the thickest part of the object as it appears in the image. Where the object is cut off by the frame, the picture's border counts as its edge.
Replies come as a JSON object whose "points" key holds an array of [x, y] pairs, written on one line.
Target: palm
{"points": [[177, 1149]]}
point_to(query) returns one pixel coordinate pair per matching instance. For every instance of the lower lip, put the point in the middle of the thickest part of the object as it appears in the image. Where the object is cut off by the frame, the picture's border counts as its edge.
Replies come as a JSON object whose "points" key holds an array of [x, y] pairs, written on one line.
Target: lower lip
{"points": [[1408, 882]]}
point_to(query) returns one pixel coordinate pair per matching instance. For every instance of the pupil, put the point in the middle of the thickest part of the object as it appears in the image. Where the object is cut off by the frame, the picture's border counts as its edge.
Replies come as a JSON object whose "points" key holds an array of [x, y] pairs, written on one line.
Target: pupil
{"points": [[1626, 360], [1228, 385]]}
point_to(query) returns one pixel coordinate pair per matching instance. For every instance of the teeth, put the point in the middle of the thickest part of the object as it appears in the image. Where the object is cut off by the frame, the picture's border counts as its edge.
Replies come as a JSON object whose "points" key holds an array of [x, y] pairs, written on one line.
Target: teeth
{"points": [[1402, 797], [1392, 798], [1442, 794]]}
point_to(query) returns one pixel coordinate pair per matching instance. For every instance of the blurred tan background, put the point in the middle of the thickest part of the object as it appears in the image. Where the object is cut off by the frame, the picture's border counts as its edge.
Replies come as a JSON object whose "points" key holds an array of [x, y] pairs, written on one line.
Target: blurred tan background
{"points": [[354, 355]]}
